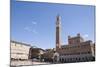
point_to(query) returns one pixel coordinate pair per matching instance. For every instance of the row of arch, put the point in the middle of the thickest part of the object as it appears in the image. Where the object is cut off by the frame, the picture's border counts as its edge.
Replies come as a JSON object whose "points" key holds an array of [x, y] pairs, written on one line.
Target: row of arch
{"points": [[77, 59]]}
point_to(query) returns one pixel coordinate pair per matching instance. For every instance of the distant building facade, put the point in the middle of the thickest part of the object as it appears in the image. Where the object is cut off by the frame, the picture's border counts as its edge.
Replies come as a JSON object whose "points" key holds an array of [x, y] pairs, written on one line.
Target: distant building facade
{"points": [[77, 48], [19, 50], [35, 53]]}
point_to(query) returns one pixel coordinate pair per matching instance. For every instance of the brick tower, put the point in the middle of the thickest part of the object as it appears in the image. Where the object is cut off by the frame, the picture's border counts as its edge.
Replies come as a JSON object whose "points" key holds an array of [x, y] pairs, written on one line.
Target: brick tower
{"points": [[58, 32]]}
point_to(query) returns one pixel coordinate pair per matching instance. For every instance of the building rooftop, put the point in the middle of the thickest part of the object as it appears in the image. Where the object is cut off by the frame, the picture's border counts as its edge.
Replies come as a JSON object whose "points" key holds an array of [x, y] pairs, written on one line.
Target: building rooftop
{"points": [[82, 43], [20, 43]]}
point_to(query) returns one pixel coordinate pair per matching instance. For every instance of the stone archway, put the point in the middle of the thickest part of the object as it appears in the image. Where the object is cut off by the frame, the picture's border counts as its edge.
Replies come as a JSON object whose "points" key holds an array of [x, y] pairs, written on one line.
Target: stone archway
{"points": [[55, 57]]}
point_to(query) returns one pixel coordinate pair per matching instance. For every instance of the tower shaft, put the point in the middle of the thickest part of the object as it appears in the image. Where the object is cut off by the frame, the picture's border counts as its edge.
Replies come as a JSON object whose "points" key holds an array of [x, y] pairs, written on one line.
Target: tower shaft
{"points": [[58, 32]]}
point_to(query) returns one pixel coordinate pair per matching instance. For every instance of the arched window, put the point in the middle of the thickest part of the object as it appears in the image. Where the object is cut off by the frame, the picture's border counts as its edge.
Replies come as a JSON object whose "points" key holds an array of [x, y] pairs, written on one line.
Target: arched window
{"points": [[86, 58], [79, 59], [60, 60], [82, 58], [75, 59]]}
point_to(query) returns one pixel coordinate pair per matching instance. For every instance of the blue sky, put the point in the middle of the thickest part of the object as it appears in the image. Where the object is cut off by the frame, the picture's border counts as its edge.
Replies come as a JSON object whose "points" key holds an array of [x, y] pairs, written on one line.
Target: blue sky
{"points": [[34, 22]]}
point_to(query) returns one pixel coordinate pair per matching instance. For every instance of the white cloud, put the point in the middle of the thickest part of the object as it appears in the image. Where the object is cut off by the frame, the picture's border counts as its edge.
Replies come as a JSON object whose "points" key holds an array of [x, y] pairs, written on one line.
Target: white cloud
{"points": [[27, 29], [34, 23], [34, 31], [86, 36], [30, 30]]}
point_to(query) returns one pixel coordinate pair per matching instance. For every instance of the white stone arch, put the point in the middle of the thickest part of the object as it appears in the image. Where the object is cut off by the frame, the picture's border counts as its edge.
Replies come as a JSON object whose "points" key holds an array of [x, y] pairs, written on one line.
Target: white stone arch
{"points": [[56, 57]]}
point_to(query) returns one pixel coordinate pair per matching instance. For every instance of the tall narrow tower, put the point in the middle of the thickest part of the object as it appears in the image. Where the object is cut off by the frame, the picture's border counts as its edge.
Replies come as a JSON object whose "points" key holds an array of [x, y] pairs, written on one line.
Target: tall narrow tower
{"points": [[58, 32]]}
